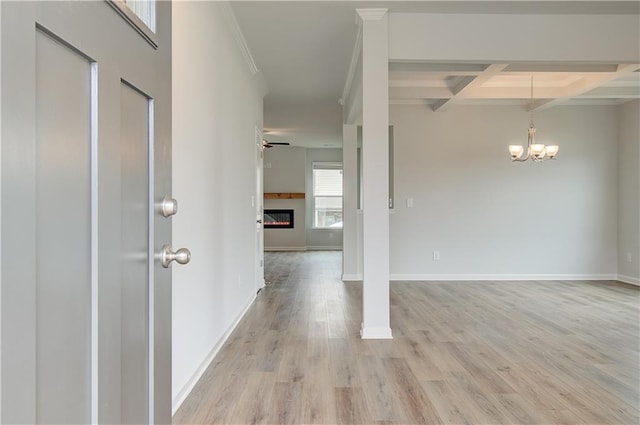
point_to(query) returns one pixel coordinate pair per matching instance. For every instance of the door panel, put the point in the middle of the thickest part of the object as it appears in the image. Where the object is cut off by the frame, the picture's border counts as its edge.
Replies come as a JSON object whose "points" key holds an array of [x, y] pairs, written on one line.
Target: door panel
{"points": [[85, 307], [63, 232], [134, 192]]}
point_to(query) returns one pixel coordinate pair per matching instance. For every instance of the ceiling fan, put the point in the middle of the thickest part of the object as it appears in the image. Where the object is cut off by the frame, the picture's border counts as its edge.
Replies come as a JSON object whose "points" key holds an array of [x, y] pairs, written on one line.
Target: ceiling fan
{"points": [[267, 144]]}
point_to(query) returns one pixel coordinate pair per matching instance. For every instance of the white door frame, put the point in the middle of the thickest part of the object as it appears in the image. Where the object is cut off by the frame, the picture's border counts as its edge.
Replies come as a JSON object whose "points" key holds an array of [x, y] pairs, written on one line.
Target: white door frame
{"points": [[259, 205]]}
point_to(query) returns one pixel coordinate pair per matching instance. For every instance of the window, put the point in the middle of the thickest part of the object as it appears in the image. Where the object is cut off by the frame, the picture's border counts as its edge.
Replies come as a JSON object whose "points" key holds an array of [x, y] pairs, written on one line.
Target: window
{"points": [[327, 195], [145, 10], [141, 15]]}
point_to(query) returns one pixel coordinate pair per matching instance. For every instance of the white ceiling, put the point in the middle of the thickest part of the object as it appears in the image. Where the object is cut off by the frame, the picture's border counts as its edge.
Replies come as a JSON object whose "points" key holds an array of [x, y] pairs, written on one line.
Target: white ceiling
{"points": [[304, 49]]}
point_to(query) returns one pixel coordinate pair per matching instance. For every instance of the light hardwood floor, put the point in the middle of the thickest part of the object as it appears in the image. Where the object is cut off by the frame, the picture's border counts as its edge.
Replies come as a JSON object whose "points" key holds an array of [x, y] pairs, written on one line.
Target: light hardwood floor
{"points": [[463, 353]]}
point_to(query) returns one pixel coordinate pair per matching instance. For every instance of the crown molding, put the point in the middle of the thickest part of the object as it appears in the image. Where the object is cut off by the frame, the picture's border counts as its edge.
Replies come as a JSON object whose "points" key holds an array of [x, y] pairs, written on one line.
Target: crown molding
{"points": [[372, 14], [230, 17]]}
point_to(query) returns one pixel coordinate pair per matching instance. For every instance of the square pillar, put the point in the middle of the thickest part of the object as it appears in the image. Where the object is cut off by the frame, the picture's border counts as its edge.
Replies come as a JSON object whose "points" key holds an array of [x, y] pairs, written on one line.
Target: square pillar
{"points": [[375, 173]]}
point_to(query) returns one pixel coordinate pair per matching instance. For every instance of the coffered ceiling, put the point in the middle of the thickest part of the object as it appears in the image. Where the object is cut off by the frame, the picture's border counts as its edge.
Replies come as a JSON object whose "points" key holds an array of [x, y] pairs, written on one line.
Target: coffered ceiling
{"points": [[442, 86], [304, 49]]}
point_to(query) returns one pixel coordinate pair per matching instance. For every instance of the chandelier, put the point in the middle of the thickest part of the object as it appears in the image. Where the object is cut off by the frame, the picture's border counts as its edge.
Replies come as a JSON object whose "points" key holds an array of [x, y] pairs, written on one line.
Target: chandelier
{"points": [[537, 152]]}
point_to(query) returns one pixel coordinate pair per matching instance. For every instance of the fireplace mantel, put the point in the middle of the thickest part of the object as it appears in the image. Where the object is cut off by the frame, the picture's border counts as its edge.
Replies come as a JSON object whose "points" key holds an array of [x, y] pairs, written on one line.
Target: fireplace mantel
{"points": [[286, 195]]}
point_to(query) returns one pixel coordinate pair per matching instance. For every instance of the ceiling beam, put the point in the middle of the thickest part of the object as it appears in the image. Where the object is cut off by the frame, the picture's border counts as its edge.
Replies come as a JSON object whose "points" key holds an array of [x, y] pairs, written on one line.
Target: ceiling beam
{"points": [[523, 93], [615, 92], [419, 92], [427, 102], [427, 83], [560, 67], [437, 68], [583, 86], [462, 89]]}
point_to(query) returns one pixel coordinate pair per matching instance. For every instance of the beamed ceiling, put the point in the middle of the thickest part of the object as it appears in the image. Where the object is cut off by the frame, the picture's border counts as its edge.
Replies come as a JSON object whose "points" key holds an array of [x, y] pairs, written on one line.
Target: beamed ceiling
{"points": [[442, 86], [304, 51]]}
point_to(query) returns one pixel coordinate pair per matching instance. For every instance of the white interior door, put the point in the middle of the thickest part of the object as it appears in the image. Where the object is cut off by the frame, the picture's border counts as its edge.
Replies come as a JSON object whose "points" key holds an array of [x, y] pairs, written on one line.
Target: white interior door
{"points": [[86, 151], [259, 204]]}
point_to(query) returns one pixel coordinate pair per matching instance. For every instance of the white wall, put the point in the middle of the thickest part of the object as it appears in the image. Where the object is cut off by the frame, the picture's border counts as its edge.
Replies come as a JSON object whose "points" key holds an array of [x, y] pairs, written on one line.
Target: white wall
{"points": [[320, 239], [284, 172], [491, 218], [629, 192], [217, 104]]}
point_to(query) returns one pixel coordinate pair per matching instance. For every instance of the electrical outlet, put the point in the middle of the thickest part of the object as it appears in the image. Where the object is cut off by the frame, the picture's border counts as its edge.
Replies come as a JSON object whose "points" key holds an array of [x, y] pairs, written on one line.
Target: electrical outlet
{"points": [[436, 255], [409, 202], [629, 258]]}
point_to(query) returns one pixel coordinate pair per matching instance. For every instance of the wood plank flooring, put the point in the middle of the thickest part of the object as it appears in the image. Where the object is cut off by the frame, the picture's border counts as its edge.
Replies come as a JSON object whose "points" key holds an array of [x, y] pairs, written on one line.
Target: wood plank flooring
{"points": [[463, 353]]}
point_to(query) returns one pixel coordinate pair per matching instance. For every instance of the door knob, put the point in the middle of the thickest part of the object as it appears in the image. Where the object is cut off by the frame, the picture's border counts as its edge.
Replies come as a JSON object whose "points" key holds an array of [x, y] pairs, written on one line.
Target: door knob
{"points": [[259, 221], [168, 206], [181, 256]]}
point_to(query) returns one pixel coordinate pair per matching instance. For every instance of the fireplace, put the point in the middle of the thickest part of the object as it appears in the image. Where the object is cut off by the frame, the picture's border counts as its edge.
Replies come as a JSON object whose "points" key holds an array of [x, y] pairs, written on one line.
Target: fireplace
{"points": [[278, 219]]}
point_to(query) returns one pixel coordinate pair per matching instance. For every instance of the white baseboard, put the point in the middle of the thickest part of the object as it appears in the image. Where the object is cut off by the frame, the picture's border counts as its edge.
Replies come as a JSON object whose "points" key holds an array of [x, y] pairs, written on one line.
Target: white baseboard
{"points": [[375, 333], [191, 383], [351, 277], [285, 248], [324, 248], [628, 279], [479, 277]]}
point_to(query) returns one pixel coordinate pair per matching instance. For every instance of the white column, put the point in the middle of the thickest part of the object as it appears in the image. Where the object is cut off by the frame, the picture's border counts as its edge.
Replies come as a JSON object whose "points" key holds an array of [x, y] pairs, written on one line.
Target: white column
{"points": [[349, 202], [375, 173]]}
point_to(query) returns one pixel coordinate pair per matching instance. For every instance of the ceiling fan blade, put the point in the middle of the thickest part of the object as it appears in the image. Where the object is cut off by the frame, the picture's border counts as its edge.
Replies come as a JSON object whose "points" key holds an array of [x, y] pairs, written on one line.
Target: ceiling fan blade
{"points": [[268, 144]]}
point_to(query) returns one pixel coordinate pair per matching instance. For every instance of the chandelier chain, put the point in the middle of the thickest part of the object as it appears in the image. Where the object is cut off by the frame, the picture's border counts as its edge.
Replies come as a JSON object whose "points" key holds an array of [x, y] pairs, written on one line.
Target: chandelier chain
{"points": [[531, 103]]}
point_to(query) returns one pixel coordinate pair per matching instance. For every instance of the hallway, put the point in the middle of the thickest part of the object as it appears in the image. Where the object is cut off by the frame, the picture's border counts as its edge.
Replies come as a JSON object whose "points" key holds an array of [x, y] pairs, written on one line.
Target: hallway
{"points": [[479, 352]]}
